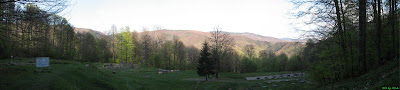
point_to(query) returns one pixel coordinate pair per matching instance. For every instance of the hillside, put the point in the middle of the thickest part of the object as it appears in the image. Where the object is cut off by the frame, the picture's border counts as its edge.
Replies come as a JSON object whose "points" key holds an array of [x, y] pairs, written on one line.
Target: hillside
{"points": [[196, 38], [95, 33]]}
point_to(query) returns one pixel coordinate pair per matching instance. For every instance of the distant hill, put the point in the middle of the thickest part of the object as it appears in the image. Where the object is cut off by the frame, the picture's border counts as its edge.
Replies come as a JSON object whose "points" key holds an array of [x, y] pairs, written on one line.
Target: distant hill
{"points": [[294, 40], [196, 38], [95, 33]]}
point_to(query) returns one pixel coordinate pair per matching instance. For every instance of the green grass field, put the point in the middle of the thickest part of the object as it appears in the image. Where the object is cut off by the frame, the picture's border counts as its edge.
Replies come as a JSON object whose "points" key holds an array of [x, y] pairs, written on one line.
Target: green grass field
{"points": [[75, 75], [72, 75]]}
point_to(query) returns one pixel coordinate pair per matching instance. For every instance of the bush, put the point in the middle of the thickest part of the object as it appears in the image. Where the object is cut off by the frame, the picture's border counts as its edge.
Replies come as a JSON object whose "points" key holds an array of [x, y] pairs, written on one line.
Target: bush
{"points": [[248, 66], [321, 73]]}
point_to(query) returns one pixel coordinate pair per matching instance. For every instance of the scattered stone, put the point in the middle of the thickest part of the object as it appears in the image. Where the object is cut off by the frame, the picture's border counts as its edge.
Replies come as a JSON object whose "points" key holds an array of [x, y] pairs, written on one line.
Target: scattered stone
{"points": [[259, 83], [293, 83], [114, 72], [287, 80], [283, 84], [162, 71], [302, 81], [174, 70], [275, 85], [265, 77], [269, 82], [146, 76], [297, 79], [105, 65], [264, 86], [278, 81]]}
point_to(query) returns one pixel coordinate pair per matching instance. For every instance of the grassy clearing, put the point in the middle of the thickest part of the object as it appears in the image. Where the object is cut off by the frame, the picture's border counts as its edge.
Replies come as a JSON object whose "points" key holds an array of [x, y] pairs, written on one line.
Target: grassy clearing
{"points": [[75, 75], [64, 75], [147, 78]]}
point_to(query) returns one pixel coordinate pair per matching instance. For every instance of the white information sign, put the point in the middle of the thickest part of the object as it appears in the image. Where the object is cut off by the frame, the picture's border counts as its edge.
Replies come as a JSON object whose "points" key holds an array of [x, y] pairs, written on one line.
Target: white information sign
{"points": [[42, 62]]}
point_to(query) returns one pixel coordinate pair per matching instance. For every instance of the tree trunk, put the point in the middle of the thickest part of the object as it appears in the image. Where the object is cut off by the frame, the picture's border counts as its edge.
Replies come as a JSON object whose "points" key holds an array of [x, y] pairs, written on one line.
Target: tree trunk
{"points": [[393, 19], [362, 35], [340, 29], [113, 42], [379, 28], [217, 53], [347, 34], [206, 77], [394, 27]]}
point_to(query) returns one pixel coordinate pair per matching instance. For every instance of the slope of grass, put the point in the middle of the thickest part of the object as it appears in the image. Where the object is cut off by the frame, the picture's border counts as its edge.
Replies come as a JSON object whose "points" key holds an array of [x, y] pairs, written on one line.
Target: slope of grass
{"points": [[73, 75], [387, 75], [147, 78], [63, 75]]}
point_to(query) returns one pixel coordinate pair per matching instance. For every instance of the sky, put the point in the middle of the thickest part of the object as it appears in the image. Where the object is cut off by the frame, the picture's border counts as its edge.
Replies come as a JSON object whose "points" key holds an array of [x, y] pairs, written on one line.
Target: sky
{"points": [[263, 17]]}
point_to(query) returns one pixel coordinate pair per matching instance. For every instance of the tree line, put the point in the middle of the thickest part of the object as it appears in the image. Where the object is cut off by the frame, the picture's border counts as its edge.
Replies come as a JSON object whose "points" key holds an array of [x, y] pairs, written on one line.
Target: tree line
{"points": [[350, 37], [28, 30]]}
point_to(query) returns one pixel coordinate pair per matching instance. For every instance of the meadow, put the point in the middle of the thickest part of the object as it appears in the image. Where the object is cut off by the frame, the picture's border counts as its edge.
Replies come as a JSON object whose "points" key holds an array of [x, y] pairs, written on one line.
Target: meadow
{"points": [[76, 75]]}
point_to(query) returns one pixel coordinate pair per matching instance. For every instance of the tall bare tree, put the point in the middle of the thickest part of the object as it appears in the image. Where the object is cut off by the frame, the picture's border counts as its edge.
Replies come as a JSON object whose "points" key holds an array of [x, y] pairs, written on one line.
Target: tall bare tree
{"points": [[175, 40], [362, 35], [393, 20], [146, 40], [221, 42], [377, 19], [113, 31], [249, 49]]}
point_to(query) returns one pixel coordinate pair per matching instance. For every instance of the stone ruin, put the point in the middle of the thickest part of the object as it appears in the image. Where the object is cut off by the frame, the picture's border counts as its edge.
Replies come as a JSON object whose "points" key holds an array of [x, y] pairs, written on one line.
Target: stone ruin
{"points": [[163, 71], [119, 66], [275, 76]]}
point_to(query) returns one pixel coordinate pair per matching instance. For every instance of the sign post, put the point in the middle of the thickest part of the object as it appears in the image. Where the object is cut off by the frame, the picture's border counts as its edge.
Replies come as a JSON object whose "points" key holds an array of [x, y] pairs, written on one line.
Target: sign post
{"points": [[42, 62]]}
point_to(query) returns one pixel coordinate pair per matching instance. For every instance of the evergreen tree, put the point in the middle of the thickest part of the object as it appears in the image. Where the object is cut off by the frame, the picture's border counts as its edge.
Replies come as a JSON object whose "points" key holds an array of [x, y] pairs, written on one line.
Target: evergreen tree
{"points": [[205, 63]]}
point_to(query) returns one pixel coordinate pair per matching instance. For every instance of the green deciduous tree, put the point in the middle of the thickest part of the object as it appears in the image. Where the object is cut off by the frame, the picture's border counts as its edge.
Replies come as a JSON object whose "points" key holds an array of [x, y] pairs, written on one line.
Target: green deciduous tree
{"points": [[87, 48], [125, 46], [248, 65]]}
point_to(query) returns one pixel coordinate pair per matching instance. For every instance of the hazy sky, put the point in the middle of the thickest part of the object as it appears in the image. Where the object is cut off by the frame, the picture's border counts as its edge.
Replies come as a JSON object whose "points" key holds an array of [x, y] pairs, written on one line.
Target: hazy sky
{"points": [[264, 17]]}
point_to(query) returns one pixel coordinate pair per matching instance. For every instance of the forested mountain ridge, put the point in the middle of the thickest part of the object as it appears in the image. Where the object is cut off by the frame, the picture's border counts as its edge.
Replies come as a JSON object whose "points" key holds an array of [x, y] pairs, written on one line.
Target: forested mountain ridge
{"points": [[95, 33], [351, 44], [196, 38]]}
